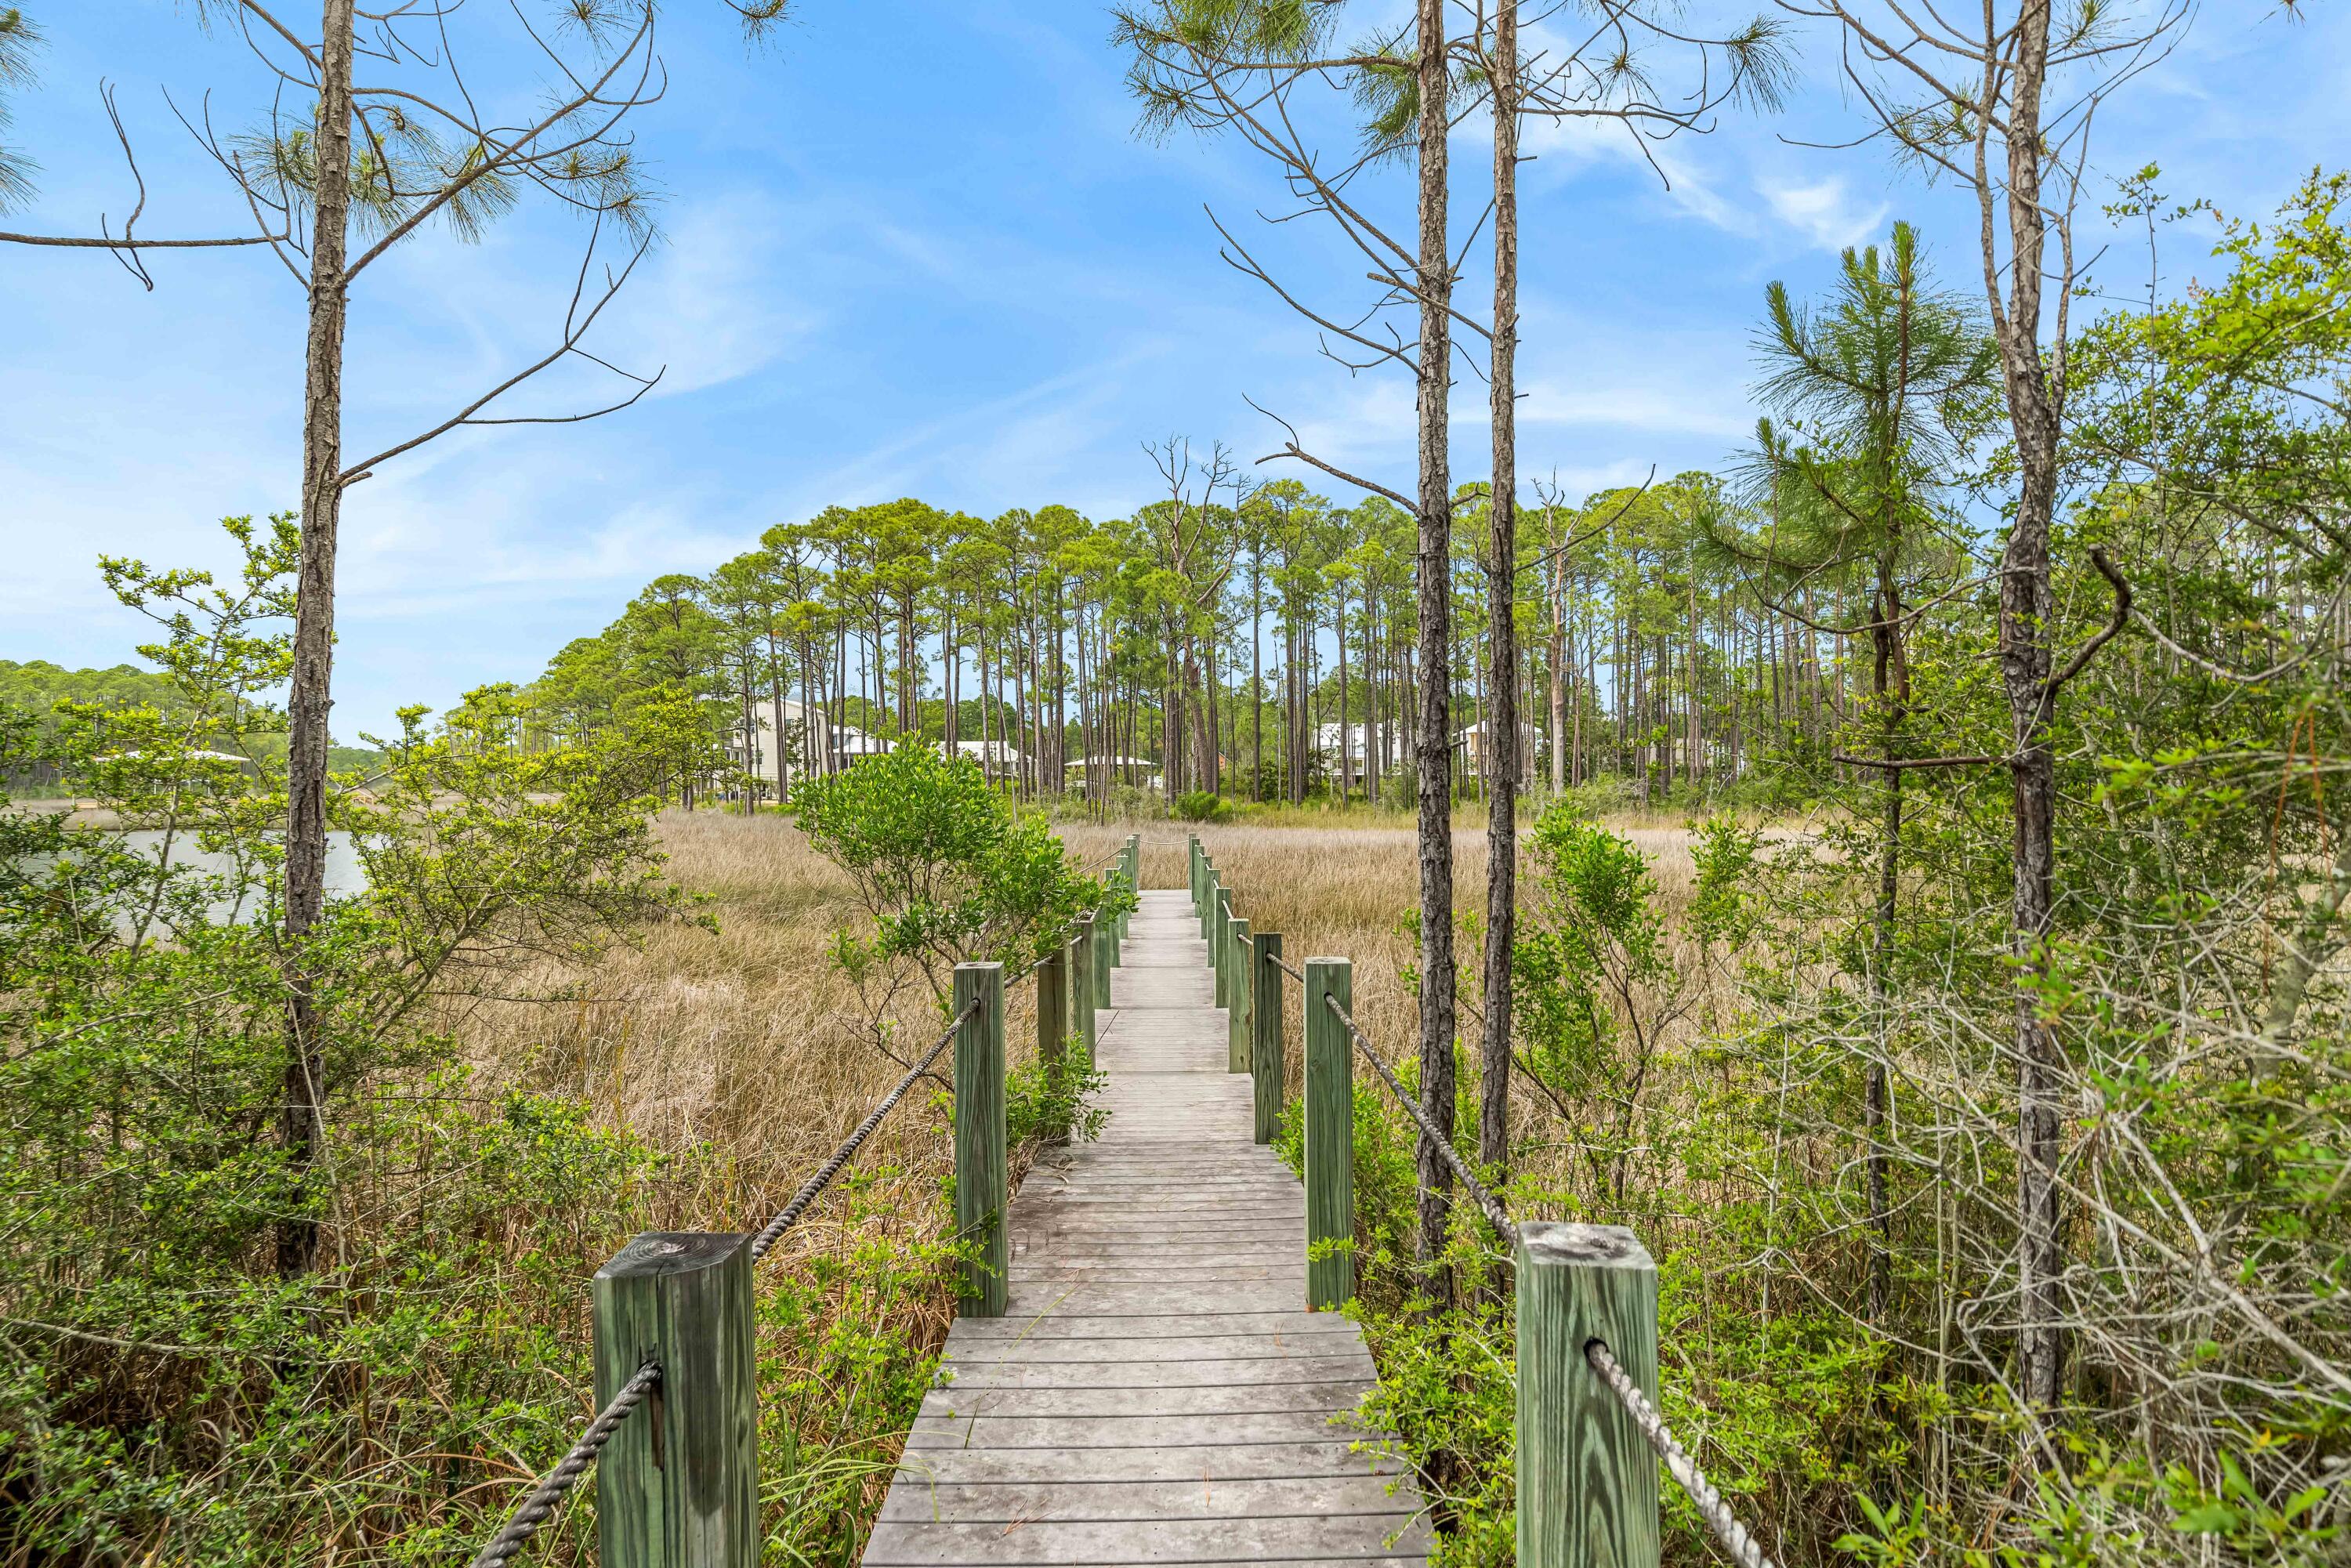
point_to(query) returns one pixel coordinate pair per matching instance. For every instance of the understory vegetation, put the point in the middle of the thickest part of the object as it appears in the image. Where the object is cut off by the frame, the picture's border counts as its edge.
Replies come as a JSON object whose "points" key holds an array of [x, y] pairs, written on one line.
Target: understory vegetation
{"points": [[1910, 897], [551, 1019]]}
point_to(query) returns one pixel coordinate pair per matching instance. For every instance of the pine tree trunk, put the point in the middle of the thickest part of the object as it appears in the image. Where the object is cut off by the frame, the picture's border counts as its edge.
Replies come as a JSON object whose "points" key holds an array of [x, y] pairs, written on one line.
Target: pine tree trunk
{"points": [[1501, 603], [1257, 678], [2027, 605], [1434, 280], [302, 1117]]}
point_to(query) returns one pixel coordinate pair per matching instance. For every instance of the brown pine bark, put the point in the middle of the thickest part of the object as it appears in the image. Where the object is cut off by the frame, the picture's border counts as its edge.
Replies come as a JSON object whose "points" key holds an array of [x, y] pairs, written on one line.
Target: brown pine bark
{"points": [[1501, 602], [1433, 276], [2027, 603], [301, 1118]]}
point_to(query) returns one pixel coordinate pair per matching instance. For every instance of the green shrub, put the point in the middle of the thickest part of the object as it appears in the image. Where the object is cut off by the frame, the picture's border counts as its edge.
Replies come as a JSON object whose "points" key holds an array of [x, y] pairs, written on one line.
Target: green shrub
{"points": [[1046, 1106], [1203, 806], [947, 868]]}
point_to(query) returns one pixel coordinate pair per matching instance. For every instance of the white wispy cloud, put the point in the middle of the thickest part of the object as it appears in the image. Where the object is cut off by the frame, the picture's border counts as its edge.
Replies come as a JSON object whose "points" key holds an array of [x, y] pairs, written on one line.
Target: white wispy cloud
{"points": [[1825, 210]]}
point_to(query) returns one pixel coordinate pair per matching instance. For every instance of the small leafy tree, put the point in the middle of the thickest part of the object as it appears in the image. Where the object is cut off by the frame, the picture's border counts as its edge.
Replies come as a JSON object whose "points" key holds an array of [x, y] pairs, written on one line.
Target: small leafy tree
{"points": [[1599, 984], [949, 872], [168, 1396]]}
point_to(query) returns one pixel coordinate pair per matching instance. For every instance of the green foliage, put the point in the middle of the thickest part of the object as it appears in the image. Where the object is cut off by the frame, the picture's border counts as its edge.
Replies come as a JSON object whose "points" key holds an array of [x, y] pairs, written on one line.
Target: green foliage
{"points": [[1047, 1102], [1203, 806], [1724, 854], [947, 870], [1599, 890], [839, 1377], [170, 1397]]}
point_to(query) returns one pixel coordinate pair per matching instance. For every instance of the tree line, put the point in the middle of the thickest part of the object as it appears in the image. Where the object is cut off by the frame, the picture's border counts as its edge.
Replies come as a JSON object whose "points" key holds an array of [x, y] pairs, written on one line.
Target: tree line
{"points": [[1261, 647]]}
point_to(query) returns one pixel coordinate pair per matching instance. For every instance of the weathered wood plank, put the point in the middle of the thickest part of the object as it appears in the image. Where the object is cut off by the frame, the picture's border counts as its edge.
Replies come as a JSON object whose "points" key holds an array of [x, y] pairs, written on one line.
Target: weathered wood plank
{"points": [[1239, 1461], [1154, 1392], [1121, 1431], [1348, 1537], [1181, 1325], [1296, 1497], [1327, 1396], [1171, 1372], [1150, 1348]]}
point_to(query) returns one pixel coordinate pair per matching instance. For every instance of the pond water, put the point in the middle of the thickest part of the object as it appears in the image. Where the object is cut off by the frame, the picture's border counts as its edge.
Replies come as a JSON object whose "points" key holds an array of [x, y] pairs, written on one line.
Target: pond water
{"points": [[344, 873]]}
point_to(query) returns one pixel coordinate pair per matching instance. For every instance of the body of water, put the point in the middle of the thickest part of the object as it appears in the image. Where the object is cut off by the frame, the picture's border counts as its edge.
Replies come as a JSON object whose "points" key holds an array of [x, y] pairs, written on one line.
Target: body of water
{"points": [[344, 873]]}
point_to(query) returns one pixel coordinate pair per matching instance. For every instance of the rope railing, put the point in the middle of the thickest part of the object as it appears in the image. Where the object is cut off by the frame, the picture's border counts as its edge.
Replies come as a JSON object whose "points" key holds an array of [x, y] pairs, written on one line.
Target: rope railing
{"points": [[1744, 1548], [691, 1327], [785, 1218], [1496, 1215], [1536, 1245], [1249, 940], [541, 1504]]}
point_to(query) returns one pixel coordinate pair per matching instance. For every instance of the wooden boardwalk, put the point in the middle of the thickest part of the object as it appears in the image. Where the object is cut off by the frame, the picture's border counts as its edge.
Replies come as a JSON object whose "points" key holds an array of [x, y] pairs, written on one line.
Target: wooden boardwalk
{"points": [[1156, 1393]]}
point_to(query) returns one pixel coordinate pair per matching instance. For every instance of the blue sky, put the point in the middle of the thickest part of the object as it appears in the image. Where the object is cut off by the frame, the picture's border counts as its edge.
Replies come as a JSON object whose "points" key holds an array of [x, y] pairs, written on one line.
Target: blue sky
{"points": [[912, 248]]}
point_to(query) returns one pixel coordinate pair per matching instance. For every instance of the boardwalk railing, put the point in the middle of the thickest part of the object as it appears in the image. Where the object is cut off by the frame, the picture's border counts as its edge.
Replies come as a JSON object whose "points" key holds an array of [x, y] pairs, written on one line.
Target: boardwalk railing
{"points": [[675, 1436], [1589, 1439]]}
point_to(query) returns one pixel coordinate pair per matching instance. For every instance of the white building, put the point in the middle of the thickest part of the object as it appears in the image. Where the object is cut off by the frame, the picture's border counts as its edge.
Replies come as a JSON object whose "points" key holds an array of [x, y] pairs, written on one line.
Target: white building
{"points": [[805, 739], [1327, 738], [1140, 771], [998, 756]]}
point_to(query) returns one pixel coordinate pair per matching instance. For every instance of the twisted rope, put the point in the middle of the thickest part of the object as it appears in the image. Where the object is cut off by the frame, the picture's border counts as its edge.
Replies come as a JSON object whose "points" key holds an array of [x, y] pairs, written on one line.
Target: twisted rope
{"points": [[774, 1230], [540, 1503], [1496, 1215], [1744, 1548], [1249, 940]]}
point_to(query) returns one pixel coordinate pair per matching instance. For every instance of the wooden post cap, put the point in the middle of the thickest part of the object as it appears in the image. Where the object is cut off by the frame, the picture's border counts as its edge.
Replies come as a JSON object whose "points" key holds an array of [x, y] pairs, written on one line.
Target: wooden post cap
{"points": [[1587, 1478]]}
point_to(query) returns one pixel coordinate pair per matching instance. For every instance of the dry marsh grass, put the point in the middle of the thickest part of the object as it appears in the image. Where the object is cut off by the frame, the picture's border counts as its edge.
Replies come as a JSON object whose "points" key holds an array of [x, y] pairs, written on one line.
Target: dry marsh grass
{"points": [[742, 1056], [1348, 885], [751, 1041]]}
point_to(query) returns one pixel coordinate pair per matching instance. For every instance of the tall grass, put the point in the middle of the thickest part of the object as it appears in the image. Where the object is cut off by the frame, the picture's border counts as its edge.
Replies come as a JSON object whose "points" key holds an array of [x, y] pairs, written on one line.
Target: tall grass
{"points": [[741, 1057]]}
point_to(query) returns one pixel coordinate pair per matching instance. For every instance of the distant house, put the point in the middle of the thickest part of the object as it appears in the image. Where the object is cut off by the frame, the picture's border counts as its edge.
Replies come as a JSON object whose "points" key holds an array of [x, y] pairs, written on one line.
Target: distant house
{"points": [[1354, 765], [1472, 746], [1327, 738], [995, 758], [808, 739], [1139, 770]]}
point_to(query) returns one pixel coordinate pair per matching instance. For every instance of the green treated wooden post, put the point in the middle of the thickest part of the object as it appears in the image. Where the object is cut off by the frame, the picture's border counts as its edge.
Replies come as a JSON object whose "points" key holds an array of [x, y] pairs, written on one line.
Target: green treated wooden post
{"points": [[1330, 1137], [1134, 885], [1210, 879], [678, 1486], [1220, 946], [1113, 883], [1196, 870], [1216, 951], [1587, 1479], [1134, 879], [1265, 1032], [1236, 1022], [1053, 1012], [1105, 956], [1082, 980], [979, 1139]]}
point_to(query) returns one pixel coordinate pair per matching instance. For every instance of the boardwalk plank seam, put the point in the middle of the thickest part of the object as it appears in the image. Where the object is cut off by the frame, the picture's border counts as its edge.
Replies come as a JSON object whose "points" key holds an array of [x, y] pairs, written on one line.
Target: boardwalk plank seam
{"points": [[1172, 1221]]}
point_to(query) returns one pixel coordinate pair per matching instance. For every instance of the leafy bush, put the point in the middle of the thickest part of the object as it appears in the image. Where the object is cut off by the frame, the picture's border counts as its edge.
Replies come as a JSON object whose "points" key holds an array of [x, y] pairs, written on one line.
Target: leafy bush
{"points": [[944, 865], [1049, 1104], [1400, 788], [1203, 806], [171, 1396]]}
